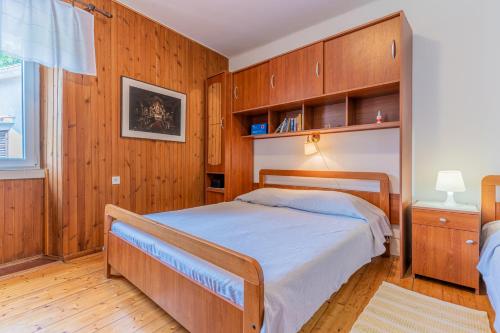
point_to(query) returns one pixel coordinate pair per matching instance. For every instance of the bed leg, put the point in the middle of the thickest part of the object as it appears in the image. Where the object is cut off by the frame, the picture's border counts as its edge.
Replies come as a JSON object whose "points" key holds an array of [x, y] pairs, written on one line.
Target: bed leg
{"points": [[387, 244]]}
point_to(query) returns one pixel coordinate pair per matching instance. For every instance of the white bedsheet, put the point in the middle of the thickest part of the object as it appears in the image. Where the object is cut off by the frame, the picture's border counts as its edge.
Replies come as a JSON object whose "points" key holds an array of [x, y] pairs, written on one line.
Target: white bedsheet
{"points": [[489, 265], [305, 256]]}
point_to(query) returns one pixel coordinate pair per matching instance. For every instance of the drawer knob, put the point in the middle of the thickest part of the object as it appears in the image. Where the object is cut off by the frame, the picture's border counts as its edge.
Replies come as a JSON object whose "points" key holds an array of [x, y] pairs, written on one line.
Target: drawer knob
{"points": [[469, 242], [442, 220]]}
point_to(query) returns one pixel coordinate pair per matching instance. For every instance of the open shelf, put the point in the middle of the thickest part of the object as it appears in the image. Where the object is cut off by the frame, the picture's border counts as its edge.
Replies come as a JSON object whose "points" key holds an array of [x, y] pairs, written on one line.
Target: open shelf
{"points": [[215, 189], [386, 88], [343, 129], [347, 111]]}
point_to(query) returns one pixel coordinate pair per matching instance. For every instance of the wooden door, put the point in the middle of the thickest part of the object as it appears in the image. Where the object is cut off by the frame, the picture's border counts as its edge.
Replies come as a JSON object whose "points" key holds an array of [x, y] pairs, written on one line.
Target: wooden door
{"points": [[363, 58], [446, 254], [215, 119], [251, 87], [297, 75]]}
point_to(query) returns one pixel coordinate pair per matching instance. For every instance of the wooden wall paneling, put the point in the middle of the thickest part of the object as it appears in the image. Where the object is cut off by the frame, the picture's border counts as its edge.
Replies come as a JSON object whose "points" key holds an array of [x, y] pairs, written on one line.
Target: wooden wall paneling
{"points": [[405, 111], [21, 219], [155, 175]]}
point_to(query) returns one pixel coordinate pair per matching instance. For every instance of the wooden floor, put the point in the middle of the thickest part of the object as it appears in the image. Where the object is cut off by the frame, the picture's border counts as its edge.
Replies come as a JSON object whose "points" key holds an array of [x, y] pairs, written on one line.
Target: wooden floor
{"points": [[75, 297]]}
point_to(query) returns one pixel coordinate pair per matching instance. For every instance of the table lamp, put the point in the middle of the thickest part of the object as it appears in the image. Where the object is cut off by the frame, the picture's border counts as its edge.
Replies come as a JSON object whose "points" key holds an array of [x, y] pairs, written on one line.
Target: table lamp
{"points": [[450, 181]]}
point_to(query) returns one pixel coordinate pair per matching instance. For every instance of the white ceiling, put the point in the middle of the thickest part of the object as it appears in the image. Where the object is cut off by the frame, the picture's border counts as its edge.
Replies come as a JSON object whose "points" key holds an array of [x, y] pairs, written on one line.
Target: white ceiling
{"points": [[232, 27]]}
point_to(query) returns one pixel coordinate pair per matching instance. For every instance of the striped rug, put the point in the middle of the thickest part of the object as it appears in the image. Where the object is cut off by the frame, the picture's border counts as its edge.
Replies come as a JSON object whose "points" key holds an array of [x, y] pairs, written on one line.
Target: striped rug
{"points": [[395, 309]]}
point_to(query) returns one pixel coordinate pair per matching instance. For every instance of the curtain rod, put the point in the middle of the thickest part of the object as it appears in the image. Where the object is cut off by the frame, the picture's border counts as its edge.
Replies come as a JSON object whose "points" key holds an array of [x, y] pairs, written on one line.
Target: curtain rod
{"points": [[92, 8]]}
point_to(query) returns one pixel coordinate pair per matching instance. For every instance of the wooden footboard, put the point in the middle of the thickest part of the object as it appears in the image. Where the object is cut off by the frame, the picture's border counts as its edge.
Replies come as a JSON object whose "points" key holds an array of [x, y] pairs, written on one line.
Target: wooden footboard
{"points": [[194, 306]]}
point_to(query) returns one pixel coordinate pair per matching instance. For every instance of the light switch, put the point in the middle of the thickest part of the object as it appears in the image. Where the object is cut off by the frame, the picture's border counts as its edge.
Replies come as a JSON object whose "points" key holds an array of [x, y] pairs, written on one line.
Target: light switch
{"points": [[115, 180]]}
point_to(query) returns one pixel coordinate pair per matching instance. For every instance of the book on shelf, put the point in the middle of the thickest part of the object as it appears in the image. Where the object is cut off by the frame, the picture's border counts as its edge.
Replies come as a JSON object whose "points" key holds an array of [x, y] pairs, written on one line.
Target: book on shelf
{"points": [[291, 124]]}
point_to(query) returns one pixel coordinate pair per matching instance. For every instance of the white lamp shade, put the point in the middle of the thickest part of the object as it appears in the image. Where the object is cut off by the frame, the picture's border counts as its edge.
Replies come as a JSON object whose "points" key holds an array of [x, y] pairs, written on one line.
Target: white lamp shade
{"points": [[450, 181]]}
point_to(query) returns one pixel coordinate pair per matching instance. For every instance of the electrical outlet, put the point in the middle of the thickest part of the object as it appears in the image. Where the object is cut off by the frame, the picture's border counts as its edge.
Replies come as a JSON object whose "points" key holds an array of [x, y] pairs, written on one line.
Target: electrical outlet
{"points": [[115, 180]]}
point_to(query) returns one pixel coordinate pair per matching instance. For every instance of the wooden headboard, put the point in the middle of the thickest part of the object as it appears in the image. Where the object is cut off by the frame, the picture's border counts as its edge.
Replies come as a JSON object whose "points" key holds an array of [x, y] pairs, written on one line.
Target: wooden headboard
{"points": [[380, 199], [490, 208]]}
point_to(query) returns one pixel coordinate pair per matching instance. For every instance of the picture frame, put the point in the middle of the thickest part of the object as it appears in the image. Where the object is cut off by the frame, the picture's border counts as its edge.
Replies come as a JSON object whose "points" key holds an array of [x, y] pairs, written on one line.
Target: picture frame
{"points": [[152, 112]]}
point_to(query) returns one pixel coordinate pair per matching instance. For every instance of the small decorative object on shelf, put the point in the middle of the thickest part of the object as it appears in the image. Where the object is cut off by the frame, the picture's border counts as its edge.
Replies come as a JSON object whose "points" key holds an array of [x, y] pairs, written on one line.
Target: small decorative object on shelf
{"points": [[379, 117], [257, 129]]}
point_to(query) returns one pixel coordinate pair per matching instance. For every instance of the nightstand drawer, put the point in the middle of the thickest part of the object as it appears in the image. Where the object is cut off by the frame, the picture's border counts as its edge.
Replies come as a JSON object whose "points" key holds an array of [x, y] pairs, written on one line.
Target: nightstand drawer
{"points": [[446, 254], [447, 219]]}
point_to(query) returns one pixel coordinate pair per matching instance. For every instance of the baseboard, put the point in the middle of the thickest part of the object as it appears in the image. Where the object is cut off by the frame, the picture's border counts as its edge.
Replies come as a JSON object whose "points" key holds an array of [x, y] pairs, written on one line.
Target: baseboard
{"points": [[25, 264], [82, 253]]}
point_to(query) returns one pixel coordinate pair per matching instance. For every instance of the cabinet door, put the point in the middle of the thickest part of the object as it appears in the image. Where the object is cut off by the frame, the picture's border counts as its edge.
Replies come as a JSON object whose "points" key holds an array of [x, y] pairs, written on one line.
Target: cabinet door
{"points": [[297, 75], [215, 124], [251, 87], [446, 254], [363, 58]]}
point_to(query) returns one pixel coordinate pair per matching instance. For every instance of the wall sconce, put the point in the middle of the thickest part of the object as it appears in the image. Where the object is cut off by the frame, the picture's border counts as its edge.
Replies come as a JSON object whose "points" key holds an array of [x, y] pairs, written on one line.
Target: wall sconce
{"points": [[311, 144]]}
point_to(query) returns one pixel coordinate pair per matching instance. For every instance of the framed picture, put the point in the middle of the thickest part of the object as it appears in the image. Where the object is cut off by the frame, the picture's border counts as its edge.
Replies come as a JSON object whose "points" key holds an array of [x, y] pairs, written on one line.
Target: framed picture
{"points": [[152, 112]]}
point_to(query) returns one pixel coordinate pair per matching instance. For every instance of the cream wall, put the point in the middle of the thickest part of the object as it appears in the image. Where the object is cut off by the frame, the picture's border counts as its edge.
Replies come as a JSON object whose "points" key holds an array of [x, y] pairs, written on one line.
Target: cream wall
{"points": [[456, 106]]}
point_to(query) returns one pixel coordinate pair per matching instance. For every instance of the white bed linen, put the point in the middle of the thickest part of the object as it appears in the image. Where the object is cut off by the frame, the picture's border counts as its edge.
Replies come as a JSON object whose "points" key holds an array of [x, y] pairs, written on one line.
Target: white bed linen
{"points": [[305, 256], [489, 265]]}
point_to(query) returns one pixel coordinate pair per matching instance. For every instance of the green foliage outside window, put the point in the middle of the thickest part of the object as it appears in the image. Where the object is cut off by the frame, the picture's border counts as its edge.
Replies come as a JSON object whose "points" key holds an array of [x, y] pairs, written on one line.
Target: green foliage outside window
{"points": [[6, 61]]}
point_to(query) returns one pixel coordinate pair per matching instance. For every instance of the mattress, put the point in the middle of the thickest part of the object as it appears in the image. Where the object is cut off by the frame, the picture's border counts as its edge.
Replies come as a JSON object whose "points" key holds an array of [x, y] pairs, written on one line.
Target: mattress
{"points": [[489, 265], [305, 257]]}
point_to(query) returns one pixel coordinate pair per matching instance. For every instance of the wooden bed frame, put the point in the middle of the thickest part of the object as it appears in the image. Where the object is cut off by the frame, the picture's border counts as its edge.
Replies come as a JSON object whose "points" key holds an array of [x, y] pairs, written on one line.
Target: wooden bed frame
{"points": [[194, 306], [490, 208]]}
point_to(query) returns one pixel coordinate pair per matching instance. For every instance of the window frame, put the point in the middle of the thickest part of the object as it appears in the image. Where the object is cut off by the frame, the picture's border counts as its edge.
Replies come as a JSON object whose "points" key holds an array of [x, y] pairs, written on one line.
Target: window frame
{"points": [[31, 122]]}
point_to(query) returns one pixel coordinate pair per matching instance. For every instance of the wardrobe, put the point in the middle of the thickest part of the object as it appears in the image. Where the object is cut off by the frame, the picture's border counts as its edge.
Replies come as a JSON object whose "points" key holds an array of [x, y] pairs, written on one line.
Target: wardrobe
{"points": [[357, 80]]}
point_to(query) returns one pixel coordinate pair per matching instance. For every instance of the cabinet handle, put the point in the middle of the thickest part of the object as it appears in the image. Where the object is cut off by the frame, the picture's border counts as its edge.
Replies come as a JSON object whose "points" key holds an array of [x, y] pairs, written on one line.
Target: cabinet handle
{"points": [[469, 242], [317, 68], [272, 81], [235, 92], [222, 122], [442, 220], [393, 49]]}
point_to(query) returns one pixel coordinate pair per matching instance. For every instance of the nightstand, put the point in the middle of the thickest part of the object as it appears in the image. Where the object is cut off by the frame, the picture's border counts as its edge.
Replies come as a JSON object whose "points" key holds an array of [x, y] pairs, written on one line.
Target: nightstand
{"points": [[445, 243]]}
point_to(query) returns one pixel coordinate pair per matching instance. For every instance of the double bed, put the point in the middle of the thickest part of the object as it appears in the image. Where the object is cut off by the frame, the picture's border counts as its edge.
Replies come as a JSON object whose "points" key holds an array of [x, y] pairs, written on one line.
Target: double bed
{"points": [[489, 262], [262, 263]]}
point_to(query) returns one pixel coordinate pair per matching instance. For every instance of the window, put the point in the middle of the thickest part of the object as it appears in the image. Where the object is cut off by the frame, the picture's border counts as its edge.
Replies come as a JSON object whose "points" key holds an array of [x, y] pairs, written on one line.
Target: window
{"points": [[19, 114]]}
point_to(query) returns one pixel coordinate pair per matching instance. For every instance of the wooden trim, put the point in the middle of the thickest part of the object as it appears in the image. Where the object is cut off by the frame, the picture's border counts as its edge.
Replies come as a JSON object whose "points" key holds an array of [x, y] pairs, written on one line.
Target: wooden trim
{"points": [[405, 146], [490, 208], [382, 178], [244, 266]]}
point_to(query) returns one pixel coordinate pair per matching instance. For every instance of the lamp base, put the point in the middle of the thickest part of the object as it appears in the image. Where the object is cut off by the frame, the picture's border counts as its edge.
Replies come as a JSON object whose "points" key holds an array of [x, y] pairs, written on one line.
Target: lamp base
{"points": [[450, 200]]}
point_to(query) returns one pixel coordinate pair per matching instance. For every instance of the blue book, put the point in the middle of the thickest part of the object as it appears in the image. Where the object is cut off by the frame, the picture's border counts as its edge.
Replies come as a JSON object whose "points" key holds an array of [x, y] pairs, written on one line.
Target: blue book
{"points": [[258, 129]]}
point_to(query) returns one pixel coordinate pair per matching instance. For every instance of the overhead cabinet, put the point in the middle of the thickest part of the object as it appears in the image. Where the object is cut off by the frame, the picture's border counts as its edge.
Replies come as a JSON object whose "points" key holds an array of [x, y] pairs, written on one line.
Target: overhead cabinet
{"points": [[297, 75], [251, 87], [363, 58]]}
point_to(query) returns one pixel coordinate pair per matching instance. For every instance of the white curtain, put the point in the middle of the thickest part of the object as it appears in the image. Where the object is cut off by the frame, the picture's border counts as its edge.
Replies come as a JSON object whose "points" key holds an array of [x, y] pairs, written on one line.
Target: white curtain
{"points": [[50, 32]]}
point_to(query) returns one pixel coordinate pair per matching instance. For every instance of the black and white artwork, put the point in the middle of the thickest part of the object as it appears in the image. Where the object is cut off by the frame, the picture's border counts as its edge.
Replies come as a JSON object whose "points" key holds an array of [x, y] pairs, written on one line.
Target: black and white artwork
{"points": [[152, 112]]}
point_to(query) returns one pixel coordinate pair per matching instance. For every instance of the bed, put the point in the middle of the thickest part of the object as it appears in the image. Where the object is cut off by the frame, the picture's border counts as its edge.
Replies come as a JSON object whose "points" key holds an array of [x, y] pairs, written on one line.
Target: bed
{"points": [[489, 262], [206, 266]]}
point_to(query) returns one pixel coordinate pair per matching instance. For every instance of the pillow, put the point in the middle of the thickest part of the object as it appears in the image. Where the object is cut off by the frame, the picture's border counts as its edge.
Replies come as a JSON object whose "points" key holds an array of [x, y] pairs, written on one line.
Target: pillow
{"points": [[273, 197], [322, 202]]}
